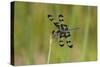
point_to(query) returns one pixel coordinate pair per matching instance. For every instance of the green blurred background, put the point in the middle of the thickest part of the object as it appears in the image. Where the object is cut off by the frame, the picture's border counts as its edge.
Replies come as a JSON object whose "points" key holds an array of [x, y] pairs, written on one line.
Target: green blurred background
{"points": [[32, 31]]}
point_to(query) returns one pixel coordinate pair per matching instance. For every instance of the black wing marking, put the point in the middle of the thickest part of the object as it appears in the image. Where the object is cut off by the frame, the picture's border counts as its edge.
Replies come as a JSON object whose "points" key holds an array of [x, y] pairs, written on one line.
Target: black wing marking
{"points": [[50, 17], [57, 24], [69, 44], [61, 18], [61, 45]]}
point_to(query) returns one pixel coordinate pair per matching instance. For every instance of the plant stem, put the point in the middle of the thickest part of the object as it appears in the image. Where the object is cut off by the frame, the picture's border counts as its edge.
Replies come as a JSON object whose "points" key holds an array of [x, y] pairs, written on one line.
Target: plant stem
{"points": [[86, 34], [50, 42]]}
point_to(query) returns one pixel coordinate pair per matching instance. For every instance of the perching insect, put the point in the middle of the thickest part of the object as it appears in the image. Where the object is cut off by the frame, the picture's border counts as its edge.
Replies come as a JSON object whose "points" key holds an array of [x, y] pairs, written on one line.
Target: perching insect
{"points": [[62, 32]]}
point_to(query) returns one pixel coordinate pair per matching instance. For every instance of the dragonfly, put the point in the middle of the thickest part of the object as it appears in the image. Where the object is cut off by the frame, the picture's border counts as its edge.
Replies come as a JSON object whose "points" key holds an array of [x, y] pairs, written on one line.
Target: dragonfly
{"points": [[62, 31]]}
